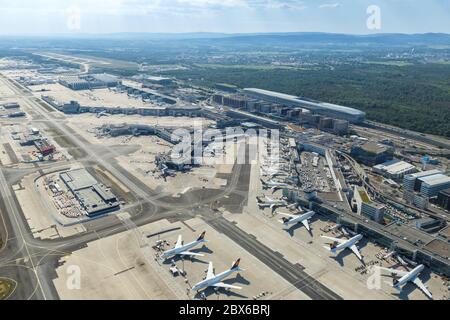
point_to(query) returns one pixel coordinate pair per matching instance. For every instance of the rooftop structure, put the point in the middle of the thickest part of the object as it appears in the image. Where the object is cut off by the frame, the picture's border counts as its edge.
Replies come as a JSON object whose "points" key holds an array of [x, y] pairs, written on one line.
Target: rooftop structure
{"points": [[431, 185], [12, 105], [366, 207], [94, 197], [372, 153], [92, 81], [394, 169], [254, 118], [334, 110], [157, 80]]}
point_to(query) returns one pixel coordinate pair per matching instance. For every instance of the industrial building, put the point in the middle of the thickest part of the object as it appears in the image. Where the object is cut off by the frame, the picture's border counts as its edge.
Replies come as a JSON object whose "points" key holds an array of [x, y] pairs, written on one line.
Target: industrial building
{"points": [[18, 114], [326, 109], [372, 153], [87, 82], [394, 169], [94, 197], [154, 80], [44, 147], [12, 105], [73, 107]]}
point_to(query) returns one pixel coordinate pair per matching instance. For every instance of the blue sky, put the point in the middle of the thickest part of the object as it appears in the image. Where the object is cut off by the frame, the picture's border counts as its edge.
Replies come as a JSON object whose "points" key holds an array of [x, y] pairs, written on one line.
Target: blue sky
{"points": [[230, 16]]}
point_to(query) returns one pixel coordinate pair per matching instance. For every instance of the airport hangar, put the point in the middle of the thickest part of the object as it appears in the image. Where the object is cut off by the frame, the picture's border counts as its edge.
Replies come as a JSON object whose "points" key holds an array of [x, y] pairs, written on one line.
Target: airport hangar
{"points": [[94, 197], [333, 110]]}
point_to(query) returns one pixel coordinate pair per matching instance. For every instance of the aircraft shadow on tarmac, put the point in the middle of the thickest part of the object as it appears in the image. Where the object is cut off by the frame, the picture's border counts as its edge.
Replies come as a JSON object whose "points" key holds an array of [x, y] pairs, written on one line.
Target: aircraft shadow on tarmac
{"points": [[411, 287], [347, 252], [311, 221], [192, 259]]}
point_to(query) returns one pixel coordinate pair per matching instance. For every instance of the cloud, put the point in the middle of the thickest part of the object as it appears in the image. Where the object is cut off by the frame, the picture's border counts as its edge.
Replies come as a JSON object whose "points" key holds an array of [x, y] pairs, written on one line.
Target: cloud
{"points": [[329, 5]]}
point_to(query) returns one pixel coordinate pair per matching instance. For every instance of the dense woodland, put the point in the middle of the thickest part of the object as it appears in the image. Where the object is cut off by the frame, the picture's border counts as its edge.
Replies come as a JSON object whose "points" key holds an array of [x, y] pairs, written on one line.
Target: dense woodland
{"points": [[415, 97]]}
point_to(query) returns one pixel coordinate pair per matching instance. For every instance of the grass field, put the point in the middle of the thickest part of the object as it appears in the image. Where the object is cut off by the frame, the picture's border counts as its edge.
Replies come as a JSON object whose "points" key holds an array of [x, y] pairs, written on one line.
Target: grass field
{"points": [[7, 286], [45, 106]]}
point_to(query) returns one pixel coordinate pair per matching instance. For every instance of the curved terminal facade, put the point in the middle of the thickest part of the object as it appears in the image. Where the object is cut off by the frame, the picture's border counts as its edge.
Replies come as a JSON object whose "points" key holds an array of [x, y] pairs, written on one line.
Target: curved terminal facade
{"points": [[328, 109]]}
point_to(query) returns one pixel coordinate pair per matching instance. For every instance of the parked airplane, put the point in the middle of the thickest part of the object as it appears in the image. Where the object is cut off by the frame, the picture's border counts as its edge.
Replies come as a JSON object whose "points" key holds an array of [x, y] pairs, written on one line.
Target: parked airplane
{"points": [[273, 184], [102, 114], [215, 281], [302, 218], [341, 244], [272, 172], [183, 250], [401, 278], [271, 203]]}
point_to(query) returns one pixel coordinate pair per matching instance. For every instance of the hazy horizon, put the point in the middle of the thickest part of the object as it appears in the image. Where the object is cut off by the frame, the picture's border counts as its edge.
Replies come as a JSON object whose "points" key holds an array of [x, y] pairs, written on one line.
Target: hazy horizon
{"points": [[91, 17]]}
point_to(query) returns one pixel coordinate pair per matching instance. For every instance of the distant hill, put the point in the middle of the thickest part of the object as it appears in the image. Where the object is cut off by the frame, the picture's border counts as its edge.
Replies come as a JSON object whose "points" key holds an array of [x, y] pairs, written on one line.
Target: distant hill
{"points": [[281, 38], [294, 37]]}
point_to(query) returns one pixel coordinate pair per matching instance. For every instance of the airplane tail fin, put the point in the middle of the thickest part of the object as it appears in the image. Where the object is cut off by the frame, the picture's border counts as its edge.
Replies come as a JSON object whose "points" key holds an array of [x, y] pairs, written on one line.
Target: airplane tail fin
{"points": [[202, 236], [285, 220], [333, 245], [235, 265]]}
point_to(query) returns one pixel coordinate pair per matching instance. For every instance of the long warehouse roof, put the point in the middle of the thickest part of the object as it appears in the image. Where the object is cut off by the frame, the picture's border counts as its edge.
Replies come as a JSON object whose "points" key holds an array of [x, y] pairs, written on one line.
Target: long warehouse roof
{"points": [[436, 179], [314, 105]]}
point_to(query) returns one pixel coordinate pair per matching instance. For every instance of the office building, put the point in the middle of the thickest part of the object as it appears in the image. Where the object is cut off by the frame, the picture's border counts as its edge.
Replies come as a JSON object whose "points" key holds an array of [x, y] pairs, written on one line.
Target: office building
{"points": [[372, 153], [412, 182], [443, 199], [432, 185], [367, 207]]}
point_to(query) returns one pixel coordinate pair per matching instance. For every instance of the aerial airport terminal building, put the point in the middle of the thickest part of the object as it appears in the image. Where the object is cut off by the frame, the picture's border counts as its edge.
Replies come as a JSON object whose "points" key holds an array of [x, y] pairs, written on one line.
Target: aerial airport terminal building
{"points": [[327, 109]]}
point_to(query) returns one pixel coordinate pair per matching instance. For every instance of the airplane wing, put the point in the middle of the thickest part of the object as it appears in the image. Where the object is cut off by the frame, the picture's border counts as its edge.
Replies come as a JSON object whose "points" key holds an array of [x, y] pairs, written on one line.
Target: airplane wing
{"points": [[287, 215], [210, 273], [179, 242], [396, 272], [272, 207], [334, 239], [422, 287], [306, 224], [355, 250], [189, 253], [226, 286]]}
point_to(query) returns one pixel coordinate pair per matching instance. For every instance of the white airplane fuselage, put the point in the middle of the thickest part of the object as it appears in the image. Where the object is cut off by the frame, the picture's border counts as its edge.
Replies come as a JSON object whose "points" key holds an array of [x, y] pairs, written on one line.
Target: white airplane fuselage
{"points": [[300, 218], [409, 277], [347, 244], [272, 184], [273, 203], [186, 247], [217, 278]]}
